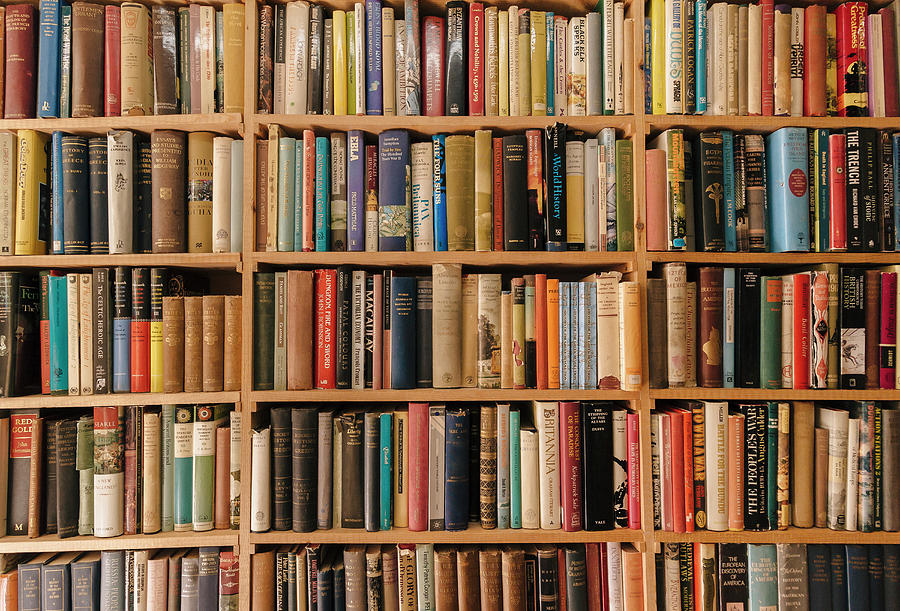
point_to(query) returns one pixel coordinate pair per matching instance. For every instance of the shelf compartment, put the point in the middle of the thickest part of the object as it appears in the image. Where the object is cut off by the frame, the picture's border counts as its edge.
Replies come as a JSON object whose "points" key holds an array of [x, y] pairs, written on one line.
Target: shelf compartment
{"points": [[230, 261], [52, 543], [138, 398], [440, 394]]}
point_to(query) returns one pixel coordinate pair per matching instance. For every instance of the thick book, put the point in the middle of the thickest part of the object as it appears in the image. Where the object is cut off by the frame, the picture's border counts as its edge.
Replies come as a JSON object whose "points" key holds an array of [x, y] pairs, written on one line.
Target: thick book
{"points": [[167, 151], [395, 213], [515, 195]]}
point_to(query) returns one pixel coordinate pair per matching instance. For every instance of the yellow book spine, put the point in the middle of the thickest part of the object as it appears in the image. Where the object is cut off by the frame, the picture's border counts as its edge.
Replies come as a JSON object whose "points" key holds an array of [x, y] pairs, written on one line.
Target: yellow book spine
{"points": [[483, 184], [503, 48], [538, 63], [401, 466], [352, 58], [272, 189], [233, 16], [389, 46], [524, 63], [658, 54], [513, 32], [32, 176], [339, 58], [630, 335], [200, 176]]}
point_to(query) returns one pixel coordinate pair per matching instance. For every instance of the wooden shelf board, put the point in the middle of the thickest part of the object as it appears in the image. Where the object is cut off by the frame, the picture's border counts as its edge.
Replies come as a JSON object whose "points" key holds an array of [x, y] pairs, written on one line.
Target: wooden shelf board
{"points": [[790, 535], [52, 543], [765, 124], [777, 258], [473, 535], [760, 394], [224, 123], [439, 394], [436, 7], [223, 261], [150, 398]]}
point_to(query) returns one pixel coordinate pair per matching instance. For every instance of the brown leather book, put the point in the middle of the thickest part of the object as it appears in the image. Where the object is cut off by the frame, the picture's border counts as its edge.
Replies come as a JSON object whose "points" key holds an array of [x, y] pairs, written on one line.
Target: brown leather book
{"points": [[709, 339], [802, 481], [468, 578], [21, 62], [168, 177], [488, 453], [445, 583], [512, 567], [491, 589], [300, 353], [263, 578], [88, 21], [355, 576], [165, 49], [872, 308], [633, 577], [223, 478], [173, 344], [391, 578], [821, 482], [193, 344], [232, 367], [561, 575], [213, 342], [262, 191], [36, 478]]}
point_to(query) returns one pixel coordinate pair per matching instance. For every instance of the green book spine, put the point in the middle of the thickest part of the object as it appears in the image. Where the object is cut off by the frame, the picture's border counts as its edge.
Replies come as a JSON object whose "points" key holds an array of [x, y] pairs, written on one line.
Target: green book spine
{"points": [[624, 196], [182, 477], [287, 151], [184, 59], [772, 465], [515, 470], [264, 331], [770, 333], [387, 465], [84, 464], [167, 467], [208, 419]]}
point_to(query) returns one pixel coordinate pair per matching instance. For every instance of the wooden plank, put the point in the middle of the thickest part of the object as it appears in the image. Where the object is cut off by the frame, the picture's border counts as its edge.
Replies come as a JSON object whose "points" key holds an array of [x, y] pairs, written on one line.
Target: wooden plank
{"points": [[52, 543], [149, 398], [437, 394], [230, 261], [786, 394], [473, 535], [224, 123], [765, 124], [777, 258], [791, 535]]}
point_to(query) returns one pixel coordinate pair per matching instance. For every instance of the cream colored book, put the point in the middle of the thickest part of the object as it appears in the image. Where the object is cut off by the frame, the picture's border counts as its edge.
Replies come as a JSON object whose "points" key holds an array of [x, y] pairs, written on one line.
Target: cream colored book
{"points": [[272, 189], [297, 56], [207, 50], [221, 194], [422, 191], [538, 40], [608, 367], [260, 488], [731, 50], [337, 470], [359, 41], [525, 62], [150, 490], [484, 176], [136, 60], [72, 325], [506, 340], [575, 192], [469, 330], [715, 431], [388, 46], [531, 490], [120, 189], [503, 62], [676, 322], [608, 66], [492, 63], [86, 343], [796, 58], [7, 192], [446, 328], [488, 363], [787, 331], [560, 65], [782, 62], [401, 469], [546, 418], [630, 335], [513, 36], [138, 592], [743, 57], [619, 65], [628, 60], [576, 74], [753, 83]]}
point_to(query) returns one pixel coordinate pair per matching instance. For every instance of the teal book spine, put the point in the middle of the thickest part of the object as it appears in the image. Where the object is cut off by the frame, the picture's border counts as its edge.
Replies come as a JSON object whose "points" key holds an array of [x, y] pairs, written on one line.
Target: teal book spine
{"points": [[728, 184], [65, 77], [59, 336], [763, 572], [551, 64], [167, 467], [772, 465], [515, 470], [287, 163], [323, 199], [183, 468], [298, 196], [787, 171], [207, 419], [387, 463]]}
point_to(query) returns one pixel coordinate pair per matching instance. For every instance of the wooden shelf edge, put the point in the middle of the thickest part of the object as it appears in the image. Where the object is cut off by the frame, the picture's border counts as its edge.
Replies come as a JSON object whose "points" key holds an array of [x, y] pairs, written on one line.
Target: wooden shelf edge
{"points": [[150, 398], [474, 535], [760, 394], [52, 543], [230, 261], [776, 258], [470, 258], [225, 123], [436, 394], [659, 122], [791, 535]]}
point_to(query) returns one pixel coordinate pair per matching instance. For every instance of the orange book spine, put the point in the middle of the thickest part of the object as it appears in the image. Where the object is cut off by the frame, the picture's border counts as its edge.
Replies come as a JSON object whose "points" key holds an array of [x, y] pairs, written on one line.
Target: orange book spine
{"points": [[687, 438], [540, 330], [736, 472], [9, 590], [814, 70], [552, 333], [223, 478]]}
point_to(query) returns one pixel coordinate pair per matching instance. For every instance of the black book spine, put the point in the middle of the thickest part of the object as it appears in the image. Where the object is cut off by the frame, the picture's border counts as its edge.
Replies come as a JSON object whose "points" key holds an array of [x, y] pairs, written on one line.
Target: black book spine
{"points": [[85, 584], [891, 565], [314, 77], [344, 302], [548, 578], [369, 337], [26, 348], [304, 456], [853, 328], [264, 331], [49, 483], [740, 194], [755, 467], [746, 360], [208, 578], [515, 196], [76, 204], [537, 223], [66, 479], [100, 333], [839, 577], [143, 196], [456, 81], [734, 585], [709, 194], [423, 332], [818, 564], [862, 192], [876, 577], [596, 431], [555, 176], [9, 293], [352, 489], [97, 181], [281, 468], [474, 464], [886, 189], [531, 578], [387, 278], [576, 577], [686, 574], [371, 469]]}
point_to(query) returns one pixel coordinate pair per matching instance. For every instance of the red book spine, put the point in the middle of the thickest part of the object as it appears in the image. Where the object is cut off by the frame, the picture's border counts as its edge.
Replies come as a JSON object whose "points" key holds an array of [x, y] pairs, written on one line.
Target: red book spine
{"points": [[666, 473], [132, 426], [852, 97], [837, 192], [418, 467], [889, 44], [476, 59], [570, 464], [768, 57], [561, 570], [309, 190], [592, 562], [673, 422], [112, 74], [814, 67], [801, 331], [497, 150], [223, 478], [325, 327], [140, 330], [888, 346], [21, 61], [698, 575], [540, 328], [433, 65], [634, 471], [229, 573], [604, 577], [687, 452]]}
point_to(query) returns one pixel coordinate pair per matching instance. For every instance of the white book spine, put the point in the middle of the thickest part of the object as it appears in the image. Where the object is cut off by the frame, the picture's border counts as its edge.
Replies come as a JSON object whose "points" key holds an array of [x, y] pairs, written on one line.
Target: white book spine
{"points": [[619, 65], [787, 331], [719, 58], [260, 495], [422, 175], [513, 37], [436, 440], [597, 65], [358, 331], [560, 67], [359, 39], [608, 327], [836, 421], [73, 339], [614, 576], [150, 489], [400, 63], [591, 197], [531, 493], [503, 498], [503, 60], [797, 49], [782, 84], [119, 190], [754, 60], [609, 56], [7, 192], [208, 59], [413, 72], [743, 51], [293, 14], [676, 320], [140, 580], [425, 576], [235, 465], [716, 442], [388, 44], [86, 344], [852, 483], [237, 195], [674, 56], [221, 195], [547, 419], [576, 69]]}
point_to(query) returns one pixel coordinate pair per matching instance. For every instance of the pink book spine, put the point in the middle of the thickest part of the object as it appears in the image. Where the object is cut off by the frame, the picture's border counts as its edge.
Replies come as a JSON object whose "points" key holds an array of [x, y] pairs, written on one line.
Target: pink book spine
{"points": [[668, 513], [418, 466], [889, 43], [687, 444], [634, 470], [655, 180], [837, 183], [433, 65], [888, 345], [113, 74], [378, 288]]}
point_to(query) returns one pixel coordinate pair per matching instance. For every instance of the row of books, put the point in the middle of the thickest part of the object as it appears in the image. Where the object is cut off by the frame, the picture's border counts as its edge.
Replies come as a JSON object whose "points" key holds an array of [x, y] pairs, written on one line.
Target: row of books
{"points": [[763, 59], [198, 578], [122, 470], [830, 327], [116, 330], [550, 189], [344, 328], [793, 190], [425, 576], [123, 192], [729, 576], [471, 60], [94, 60], [434, 467]]}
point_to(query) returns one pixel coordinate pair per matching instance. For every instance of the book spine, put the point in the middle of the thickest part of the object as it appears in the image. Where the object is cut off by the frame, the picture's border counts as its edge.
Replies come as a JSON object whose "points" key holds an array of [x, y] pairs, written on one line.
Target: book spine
{"points": [[852, 98]]}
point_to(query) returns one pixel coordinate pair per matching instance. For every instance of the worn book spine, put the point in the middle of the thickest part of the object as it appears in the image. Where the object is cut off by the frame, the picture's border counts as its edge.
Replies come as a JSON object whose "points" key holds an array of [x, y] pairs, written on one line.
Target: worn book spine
{"points": [[193, 344], [199, 191]]}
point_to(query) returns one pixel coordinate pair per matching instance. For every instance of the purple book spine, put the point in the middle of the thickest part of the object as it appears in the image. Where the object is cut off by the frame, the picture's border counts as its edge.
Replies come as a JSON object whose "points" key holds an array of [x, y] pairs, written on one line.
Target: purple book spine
{"points": [[356, 191]]}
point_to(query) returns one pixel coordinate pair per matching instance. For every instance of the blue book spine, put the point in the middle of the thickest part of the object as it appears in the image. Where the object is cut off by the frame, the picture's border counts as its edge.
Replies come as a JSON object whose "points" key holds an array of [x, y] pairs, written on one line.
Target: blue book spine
{"points": [[85, 584], [440, 193], [287, 163], [762, 566], [579, 331], [728, 170], [387, 463], [648, 75], [65, 78], [48, 58], [59, 336], [515, 470], [728, 327], [838, 577], [29, 586], [823, 193], [895, 143], [403, 332], [373, 58], [788, 195], [57, 217], [394, 209], [876, 577], [121, 378], [564, 363], [456, 469], [551, 65], [56, 587], [857, 578], [818, 560], [323, 196], [891, 558], [356, 190], [590, 333], [700, 57], [298, 195]]}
